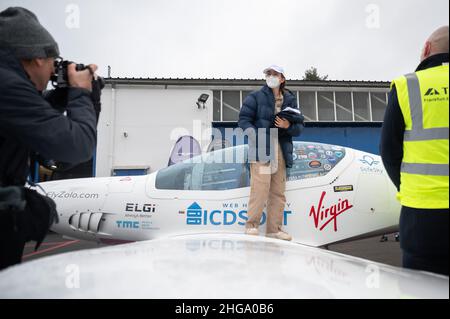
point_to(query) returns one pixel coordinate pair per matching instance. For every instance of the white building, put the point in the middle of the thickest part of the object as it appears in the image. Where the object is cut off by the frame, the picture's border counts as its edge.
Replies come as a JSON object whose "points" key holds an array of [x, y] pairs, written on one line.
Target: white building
{"points": [[142, 119]]}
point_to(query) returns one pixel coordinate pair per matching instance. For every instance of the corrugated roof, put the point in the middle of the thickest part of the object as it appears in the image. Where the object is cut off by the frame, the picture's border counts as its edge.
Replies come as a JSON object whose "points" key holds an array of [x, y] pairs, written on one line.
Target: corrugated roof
{"points": [[243, 82]]}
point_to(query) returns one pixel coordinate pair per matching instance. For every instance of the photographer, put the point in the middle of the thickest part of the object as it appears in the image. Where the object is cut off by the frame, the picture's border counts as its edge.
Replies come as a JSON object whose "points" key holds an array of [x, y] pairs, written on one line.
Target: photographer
{"points": [[58, 99], [30, 124]]}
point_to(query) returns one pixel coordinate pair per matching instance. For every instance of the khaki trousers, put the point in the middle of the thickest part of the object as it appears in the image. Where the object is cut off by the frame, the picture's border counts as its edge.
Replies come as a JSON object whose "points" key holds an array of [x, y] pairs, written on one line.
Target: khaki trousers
{"points": [[268, 184]]}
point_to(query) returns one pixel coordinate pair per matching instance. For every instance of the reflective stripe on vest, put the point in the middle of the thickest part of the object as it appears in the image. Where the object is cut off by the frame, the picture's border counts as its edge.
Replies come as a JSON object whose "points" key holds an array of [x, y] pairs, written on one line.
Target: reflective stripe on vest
{"points": [[425, 169], [418, 133]]}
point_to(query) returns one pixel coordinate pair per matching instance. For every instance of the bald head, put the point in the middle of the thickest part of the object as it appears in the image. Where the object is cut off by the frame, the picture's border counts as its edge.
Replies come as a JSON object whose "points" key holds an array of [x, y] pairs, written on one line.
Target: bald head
{"points": [[437, 43]]}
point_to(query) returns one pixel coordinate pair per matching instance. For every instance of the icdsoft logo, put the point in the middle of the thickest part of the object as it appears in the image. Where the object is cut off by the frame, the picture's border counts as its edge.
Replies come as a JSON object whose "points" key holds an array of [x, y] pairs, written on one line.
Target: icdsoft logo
{"points": [[195, 215]]}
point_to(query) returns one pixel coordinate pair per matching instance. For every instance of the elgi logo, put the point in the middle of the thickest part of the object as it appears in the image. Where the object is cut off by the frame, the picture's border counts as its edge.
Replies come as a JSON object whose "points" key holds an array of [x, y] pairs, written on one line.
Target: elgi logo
{"points": [[197, 216], [145, 208]]}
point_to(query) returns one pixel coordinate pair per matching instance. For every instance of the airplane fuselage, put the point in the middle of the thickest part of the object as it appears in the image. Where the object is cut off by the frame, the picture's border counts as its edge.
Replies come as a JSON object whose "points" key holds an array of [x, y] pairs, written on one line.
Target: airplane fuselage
{"points": [[329, 199]]}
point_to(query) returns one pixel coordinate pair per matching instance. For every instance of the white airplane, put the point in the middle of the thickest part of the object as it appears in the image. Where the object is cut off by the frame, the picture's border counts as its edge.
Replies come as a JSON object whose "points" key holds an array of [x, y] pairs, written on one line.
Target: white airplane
{"points": [[215, 266], [333, 194], [187, 222]]}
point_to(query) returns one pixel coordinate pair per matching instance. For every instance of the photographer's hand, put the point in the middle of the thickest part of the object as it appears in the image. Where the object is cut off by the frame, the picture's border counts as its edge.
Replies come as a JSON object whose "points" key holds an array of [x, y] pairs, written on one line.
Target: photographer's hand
{"points": [[81, 79]]}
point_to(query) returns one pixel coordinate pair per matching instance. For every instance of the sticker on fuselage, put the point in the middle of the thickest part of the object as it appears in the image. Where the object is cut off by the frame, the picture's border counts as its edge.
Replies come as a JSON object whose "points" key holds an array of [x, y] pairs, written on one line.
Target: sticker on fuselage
{"points": [[343, 188]]}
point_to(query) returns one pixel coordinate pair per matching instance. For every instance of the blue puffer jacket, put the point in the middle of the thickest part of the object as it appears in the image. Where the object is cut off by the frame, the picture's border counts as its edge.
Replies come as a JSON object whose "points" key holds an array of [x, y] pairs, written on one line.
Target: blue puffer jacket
{"points": [[258, 111]]}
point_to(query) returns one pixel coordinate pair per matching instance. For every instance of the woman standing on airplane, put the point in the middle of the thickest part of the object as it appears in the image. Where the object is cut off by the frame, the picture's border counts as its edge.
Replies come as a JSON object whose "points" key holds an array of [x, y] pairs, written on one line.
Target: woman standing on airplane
{"points": [[274, 107]]}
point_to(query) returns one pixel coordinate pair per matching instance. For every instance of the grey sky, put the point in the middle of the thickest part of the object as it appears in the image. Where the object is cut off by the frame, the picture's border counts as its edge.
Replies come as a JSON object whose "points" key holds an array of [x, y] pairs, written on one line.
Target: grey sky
{"points": [[238, 38]]}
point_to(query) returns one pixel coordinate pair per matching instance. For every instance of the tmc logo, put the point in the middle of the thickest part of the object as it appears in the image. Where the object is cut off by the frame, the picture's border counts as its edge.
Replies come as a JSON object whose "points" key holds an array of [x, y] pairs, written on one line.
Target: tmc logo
{"points": [[433, 91], [127, 224], [197, 216]]}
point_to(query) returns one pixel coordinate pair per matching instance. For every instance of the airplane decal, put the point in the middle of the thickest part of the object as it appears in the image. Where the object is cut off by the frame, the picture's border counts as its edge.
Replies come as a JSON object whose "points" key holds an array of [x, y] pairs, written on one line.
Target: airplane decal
{"points": [[323, 216], [369, 160], [227, 217]]}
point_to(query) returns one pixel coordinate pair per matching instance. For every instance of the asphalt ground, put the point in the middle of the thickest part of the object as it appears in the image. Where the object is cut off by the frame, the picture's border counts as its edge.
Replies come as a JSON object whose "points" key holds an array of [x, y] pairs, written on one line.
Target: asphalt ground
{"points": [[387, 252]]}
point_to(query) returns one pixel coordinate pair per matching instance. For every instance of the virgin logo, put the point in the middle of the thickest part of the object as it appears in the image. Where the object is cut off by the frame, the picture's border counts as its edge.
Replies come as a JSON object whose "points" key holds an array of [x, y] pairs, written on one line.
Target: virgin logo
{"points": [[325, 215]]}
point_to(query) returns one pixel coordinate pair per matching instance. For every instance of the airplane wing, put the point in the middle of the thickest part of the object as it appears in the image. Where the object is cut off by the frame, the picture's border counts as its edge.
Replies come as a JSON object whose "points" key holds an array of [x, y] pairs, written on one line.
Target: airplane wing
{"points": [[215, 266]]}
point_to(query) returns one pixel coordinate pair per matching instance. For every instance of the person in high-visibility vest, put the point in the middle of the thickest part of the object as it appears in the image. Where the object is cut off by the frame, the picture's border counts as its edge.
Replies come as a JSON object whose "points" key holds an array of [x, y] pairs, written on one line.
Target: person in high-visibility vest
{"points": [[415, 150]]}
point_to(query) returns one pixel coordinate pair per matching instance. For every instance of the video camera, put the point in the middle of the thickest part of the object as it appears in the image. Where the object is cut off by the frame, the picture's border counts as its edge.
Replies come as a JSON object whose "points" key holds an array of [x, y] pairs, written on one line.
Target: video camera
{"points": [[60, 78]]}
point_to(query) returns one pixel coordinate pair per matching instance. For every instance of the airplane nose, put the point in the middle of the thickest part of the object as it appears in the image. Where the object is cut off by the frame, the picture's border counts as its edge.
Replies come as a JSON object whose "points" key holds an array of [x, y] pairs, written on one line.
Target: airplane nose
{"points": [[79, 205]]}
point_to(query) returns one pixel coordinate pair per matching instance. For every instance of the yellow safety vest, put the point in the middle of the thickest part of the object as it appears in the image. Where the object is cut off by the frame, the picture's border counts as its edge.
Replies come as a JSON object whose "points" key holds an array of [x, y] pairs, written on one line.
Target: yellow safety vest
{"points": [[424, 102]]}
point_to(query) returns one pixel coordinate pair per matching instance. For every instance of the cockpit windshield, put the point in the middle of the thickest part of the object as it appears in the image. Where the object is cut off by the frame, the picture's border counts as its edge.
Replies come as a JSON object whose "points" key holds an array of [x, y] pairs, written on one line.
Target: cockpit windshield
{"points": [[229, 168], [314, 160]]}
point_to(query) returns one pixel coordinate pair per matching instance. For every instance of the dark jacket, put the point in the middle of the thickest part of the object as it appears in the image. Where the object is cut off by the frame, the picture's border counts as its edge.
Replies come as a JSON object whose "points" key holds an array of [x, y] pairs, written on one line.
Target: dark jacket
{"points": [[28, 123], [391, 145], [258, 111]]}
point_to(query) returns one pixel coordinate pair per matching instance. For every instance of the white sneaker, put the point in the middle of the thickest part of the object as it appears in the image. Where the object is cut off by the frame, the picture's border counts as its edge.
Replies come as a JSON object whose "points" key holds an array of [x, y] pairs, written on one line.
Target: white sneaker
{"points": [[280, 235], [252, 231]]}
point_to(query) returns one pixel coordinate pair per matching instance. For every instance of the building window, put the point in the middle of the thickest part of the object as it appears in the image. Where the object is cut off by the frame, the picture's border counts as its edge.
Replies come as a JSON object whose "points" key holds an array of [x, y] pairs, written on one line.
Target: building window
{"points": [[344, 110], [231, 105], [379, 104], [362, 107], [343, 106], [216, 106], [325, 102], [307, 101]]}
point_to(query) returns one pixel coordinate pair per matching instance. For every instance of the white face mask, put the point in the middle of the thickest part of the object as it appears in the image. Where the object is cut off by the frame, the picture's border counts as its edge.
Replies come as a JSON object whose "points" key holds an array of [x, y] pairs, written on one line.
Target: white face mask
{"points": [[273, 81]]}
